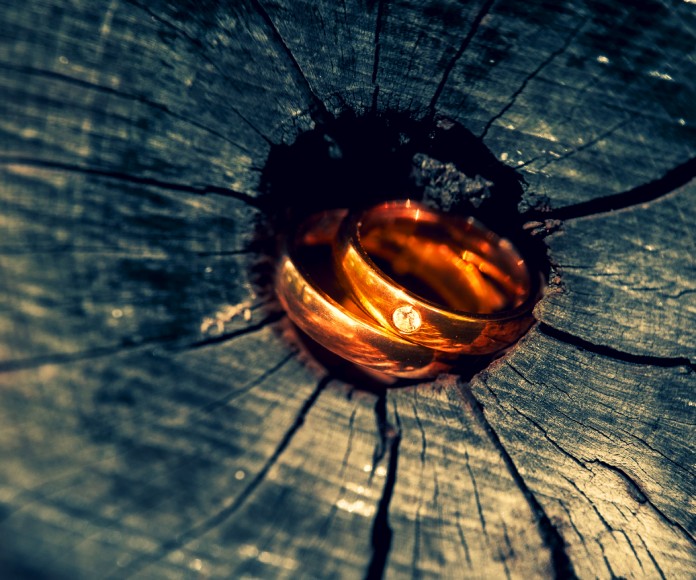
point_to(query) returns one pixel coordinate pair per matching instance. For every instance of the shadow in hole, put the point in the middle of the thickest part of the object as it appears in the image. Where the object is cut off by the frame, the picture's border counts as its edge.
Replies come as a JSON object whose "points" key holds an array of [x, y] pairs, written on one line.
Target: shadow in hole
{"points": [[355, 162]]}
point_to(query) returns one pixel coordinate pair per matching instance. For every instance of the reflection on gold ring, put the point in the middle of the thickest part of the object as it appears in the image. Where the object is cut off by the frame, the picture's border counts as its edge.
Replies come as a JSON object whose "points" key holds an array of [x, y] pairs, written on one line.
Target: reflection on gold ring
{"points": [[444, 282], [314, 301]]}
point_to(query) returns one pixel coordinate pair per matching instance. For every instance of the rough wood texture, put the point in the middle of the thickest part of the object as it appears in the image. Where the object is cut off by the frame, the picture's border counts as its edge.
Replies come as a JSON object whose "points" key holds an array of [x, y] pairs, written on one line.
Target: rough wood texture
{"points": [[155, 421]]}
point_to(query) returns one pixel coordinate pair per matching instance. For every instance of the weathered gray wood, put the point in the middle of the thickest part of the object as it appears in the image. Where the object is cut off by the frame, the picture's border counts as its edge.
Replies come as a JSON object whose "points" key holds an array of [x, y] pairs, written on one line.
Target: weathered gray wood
{"points": [[639, 265], [156, 417], [93, 262], [580, 87], [457, 511], [135, 450], [607, 447], [570, 85]]}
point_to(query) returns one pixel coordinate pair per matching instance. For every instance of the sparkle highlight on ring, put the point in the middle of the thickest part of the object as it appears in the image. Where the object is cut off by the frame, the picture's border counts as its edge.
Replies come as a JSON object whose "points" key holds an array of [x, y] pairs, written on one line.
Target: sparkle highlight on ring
{"points": [[406, 319]]}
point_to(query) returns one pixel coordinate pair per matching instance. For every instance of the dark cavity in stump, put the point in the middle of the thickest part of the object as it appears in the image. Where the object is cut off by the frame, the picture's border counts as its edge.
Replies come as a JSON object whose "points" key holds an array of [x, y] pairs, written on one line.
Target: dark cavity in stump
{"points": [[357, 161]]}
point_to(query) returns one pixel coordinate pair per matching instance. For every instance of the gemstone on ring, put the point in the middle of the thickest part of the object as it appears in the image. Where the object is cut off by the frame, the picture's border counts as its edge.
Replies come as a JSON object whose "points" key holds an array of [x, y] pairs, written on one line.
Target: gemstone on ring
{"points": [[406, 319]]}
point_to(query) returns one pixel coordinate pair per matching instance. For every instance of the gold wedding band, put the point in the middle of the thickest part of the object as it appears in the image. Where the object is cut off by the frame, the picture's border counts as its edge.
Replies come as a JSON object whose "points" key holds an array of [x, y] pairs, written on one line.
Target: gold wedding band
{"points": [[309, 291], [436, 280]]}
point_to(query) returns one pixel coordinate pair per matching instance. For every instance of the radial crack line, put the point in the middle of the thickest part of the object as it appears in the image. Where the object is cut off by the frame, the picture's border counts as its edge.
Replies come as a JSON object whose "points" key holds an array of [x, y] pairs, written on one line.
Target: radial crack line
{"points": [[199, 45], [138, 564], [611, 352], [549, 439], [652, 558], [119, 176], [547, 61], [477, 497], [550, 536], [375, 61], [323, 530], [171, 342], [599, 432], [485, 9], [225, 400], [669, 182], [641, 497], [381, 529], [578, 149], [320, 112], [111, 91]]}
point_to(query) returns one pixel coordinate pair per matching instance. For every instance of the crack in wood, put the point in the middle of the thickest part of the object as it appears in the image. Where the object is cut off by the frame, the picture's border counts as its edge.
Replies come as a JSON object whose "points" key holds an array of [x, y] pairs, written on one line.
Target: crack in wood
{"points": [[641, 497], [375, 60], [606, 561], [477, 498], [678, 295], [685, 469], [416, 544], [413, 54], [485, 9], [270, 319], [231, 396], [547, 61], [504, 556], [572, 525], [169, 342], [632, 547], [323, 530], [611, 352], [415, 556], [200, 47], [644, 193], [128, 178], [436, 506], [318, 112], [28, 70], [633, 488], [558, 410], [605, 523], [578, 149], [42, 494], [652, 558], [390, 436], [462, 539], [549, 439], [635, 491], [551, 537], [166, 548], [457, 513]]}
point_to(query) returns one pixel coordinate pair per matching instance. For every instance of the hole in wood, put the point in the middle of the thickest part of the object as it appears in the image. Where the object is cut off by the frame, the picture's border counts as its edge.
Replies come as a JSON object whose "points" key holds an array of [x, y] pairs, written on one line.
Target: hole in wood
{"points": [[355, 162]]}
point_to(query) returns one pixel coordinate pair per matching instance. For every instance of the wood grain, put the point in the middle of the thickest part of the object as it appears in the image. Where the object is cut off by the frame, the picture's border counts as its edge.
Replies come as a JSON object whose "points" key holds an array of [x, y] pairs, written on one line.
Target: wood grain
{"points": [[158, 417]]}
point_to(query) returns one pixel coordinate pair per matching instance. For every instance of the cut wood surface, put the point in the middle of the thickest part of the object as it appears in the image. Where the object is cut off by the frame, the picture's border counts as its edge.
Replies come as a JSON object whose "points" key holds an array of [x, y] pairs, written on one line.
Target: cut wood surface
{"points": [[157, 420]]}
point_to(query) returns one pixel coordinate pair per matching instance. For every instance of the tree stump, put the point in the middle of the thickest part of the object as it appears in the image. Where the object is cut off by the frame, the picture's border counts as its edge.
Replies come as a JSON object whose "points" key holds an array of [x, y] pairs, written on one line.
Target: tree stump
{"points": [[155, 421]]}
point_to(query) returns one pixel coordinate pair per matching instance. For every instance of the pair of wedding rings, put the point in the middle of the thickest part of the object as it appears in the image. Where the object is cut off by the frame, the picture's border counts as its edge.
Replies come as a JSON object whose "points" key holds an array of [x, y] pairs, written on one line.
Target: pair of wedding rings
{"points": [[403, 289]]}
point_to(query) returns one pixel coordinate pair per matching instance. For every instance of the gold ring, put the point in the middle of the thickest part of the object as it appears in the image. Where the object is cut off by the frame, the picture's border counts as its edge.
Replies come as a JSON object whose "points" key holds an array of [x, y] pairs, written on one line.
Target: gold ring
{"points": [[314, 300], [441, 281]]}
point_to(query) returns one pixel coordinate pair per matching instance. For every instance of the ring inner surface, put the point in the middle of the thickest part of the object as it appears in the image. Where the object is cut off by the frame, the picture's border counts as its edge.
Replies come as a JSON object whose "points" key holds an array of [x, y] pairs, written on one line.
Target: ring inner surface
{"points": [[313, 251], [454, 263]]}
